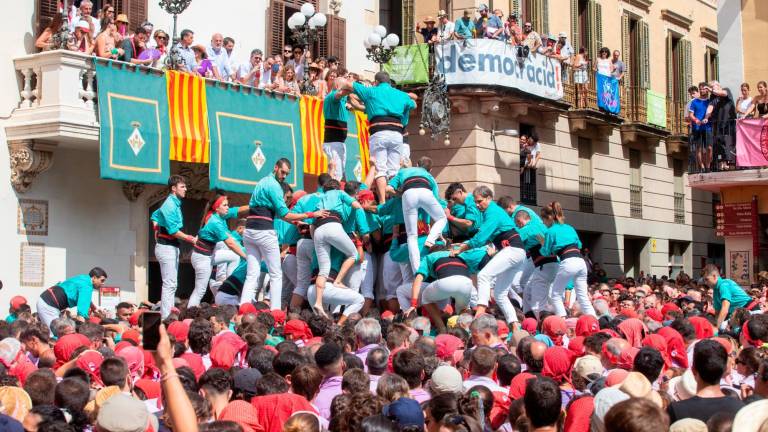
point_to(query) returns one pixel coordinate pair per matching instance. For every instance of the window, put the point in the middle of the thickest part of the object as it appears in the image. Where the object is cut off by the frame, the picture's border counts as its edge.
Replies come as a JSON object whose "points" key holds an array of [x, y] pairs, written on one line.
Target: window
{"points": [[331, 40], [635, 184], [679, 67], [679, 191], [535, 11], [527, 177], [587, 26], [635, 51], [586, 192], [391, 17], [711, 64], [677, 252]]}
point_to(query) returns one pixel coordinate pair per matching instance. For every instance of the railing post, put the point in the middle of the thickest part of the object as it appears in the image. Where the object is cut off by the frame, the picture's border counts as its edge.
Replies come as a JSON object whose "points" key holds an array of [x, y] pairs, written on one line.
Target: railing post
{"points": [[26, 93]]}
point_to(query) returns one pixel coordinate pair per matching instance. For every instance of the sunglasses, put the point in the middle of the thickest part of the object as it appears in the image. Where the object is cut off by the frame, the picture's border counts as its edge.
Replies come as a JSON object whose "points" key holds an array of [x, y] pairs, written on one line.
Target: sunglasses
{"points": [[287, 51], [111, 11], [161, 37]]}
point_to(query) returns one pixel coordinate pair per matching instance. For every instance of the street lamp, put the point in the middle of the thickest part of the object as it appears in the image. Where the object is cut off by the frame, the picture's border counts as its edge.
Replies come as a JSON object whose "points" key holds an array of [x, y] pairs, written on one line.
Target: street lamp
{"points": [[174, 60], [380, 45], [304, 26]]}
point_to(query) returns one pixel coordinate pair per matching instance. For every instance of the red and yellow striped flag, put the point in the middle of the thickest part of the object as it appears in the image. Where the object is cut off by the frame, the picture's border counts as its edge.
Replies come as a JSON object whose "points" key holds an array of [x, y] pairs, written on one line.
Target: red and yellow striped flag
{"points": [[188, 116], [363, 139], [312, 132]]}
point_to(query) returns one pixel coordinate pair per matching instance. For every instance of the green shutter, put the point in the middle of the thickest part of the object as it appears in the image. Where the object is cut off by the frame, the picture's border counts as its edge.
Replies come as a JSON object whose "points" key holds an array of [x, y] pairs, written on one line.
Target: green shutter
{"points": [[515, 7], [545, 16], [707, 60], [687, 69], [626, 48], [598, 25], [645, 55], [590, 31], [575, 29], [716, 71], [670, 69], [408, 22]]}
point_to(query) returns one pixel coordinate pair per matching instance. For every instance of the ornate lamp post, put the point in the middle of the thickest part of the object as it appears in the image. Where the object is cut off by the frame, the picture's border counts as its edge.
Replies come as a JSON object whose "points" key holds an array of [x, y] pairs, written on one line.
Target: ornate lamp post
{"points": [[304, 27], [380, 45], [174, 60]]}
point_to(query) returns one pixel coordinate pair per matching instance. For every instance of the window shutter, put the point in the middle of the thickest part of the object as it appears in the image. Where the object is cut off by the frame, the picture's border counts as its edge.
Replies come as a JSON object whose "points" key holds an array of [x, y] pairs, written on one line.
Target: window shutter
{"points": [[136, 11], [332, 39], [275, 27], [545, 16], [46, 9], [707, 63], [670, 69], [687, 68], [575, 30], [645, 55], [590, 31], [716, 66], [598, 25], [514, 6], [626, 48], [408, 23]]}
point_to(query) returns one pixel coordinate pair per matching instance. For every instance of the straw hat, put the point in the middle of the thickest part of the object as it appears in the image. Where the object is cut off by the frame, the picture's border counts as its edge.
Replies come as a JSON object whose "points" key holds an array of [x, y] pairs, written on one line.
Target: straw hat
{"points": [[122, 18], [429, 19]]}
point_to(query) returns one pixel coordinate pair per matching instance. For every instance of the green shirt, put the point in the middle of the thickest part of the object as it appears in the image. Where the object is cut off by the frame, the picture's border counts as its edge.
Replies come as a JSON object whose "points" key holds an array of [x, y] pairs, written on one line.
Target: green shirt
{"points": [[216, 229], [471, 258], [468, 210], [79, 290], [384, 100], [335, 109], [337, 201], [530, 232], [268, 193], [287, 233], [464, 28], [169, 216], [495, 221], [308, 203], [531, 213], [391, 214], [372, 223], [728, 290], [406, 173], [559, 236], [399, 252]]}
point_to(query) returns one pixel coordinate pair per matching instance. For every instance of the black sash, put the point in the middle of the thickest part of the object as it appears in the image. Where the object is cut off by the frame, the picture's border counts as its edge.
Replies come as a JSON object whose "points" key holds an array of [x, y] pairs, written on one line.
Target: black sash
{"points": [[164, 238], [204, 247], [382, 123], [417, 182], [539, 259], [570, 251], [56, 297], [450, 266], [334, 216], [232, 286], [335, 131], [260, 218], [508, 238]]}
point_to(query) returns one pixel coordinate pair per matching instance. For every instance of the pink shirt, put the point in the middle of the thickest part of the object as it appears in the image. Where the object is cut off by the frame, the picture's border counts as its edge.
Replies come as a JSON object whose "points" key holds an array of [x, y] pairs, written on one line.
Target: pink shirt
{"points": [[420, 395], [329, 389]]}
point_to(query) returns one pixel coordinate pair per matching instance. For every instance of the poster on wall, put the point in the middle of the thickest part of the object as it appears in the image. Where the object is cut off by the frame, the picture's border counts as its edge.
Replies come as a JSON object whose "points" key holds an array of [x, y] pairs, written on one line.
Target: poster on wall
{"points": [[738, 267], [32, 264], [109, 297]]}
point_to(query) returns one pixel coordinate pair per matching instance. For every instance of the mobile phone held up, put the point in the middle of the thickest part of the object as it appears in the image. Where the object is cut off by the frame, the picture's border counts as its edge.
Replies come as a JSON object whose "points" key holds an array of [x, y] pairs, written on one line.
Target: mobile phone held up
{"points": [[150, 330]]}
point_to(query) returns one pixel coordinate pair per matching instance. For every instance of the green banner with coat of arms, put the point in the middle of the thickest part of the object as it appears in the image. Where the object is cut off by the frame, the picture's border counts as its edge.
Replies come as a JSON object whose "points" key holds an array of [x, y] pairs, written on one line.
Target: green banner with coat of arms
{"points": [[409, 64], [134, 129], [250, 131]]}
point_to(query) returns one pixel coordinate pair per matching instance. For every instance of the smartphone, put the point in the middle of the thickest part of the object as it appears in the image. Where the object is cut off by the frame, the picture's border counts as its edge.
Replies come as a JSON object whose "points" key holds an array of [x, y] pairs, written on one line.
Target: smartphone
{"points": [[150, 330]]}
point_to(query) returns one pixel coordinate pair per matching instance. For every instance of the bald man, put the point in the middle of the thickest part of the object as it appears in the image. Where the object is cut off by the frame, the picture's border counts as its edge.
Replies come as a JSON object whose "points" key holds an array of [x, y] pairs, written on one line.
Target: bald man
{"points": [[220, 58], [611, 352]]}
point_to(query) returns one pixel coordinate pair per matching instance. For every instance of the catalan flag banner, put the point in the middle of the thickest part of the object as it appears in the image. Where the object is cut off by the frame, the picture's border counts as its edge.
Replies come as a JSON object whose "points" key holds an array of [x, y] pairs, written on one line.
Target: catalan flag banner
{"points": [[133, 117], [188, 117], [357, 147], [250, 131], [312, 130]]}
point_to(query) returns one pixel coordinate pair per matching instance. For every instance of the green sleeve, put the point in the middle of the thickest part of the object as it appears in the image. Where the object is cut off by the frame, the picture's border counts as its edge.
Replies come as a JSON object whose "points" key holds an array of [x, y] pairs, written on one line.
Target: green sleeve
{"points": [[549, 243], [231, 214], [484, 233], [397, 180], [361, 91], [424, 266], [276, 196], [84, 292], [173, 219]]}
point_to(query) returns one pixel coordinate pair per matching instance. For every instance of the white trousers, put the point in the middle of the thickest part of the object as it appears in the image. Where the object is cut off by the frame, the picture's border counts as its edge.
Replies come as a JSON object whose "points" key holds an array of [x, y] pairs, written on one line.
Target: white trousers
{"points": [[226, 261], [458, 287], [404, 292], [499, 273], [387, 148], [262, 245], [203, 265], [334, 296], [223, 298], [391, 275], [305, 251], [47, 313], [362, 275], [571, 268], [331, 235], [168, 258], [413, 200], [336, 152], [520, 281], [537, 289]]}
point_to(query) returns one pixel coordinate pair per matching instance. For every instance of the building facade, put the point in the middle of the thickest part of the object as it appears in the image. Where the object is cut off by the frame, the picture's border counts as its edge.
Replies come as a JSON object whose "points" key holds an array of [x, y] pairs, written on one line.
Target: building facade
{"points": [[622, 180]]}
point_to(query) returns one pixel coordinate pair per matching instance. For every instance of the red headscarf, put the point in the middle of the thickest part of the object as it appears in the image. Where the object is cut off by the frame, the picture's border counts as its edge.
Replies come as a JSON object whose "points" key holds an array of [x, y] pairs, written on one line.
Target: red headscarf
{"points": [[557, 364], [627, 358], [134, 358], [195, 363], [272, 411], [66, 345], [554, 326], [576, 346], [131, 335], [633, 330], [298, 329], [748, 337], [702, 326], [660, 344], [279, 316], [669, 307], [225, 348], [654, 314], [529, 325], [90, 361], [242, 413], [579, 414], [675, 346], [150, 388], [517, 386], [179, 330], [446, 345], [587, 325], [216, 204]]}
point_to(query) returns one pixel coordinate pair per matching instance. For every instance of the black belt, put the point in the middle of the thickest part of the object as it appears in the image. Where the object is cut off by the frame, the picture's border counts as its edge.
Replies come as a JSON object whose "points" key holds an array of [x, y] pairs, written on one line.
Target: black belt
{"points": [[508, 239], [333, 216], [383, 123], [304, 231], [417, 182], [204, 247], [164, 238], [56, 297], [260, 218], [570, 251], [232, 286], [538, 259], [450, 266], [335, 131]]}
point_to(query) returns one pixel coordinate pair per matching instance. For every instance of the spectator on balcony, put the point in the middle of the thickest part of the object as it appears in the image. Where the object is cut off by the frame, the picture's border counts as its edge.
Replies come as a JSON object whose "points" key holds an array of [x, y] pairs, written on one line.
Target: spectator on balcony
{"points": [[185, 49], [724, 125], [563, 49], [107, 11], [286, 81], [446, 28], [161, 41], [533, 154], [604, 66], [256, 73], [45, 41], [287, 58], [298, 62], [744, 106], [219, 57], [699, 115], [512, 31], [316, 78], [429, 32], [532, 39], [760, 102], [229, 46], [83, 13], [106, 42], [149, 27], [81, 40], [580, 67], [122, 25], [465, 28], [489, 25], [133, 46], [205, 67], [619, 68]]}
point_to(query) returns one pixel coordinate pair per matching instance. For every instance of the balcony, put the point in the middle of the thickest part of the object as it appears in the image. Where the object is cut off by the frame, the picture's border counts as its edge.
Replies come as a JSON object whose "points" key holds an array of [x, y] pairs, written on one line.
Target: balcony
{"points": [[677, 142], [586, 195], [636, 201], [585, 112], [636, 129]]}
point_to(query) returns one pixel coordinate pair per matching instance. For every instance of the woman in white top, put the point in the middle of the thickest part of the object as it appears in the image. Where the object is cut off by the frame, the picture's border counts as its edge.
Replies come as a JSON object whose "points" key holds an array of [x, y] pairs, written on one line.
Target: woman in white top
{"points": [[604, 66], [744, 103], [581, 77]]}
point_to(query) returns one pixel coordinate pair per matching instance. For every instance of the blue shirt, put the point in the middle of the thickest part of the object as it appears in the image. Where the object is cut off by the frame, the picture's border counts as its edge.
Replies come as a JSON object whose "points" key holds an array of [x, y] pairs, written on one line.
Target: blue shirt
{"points": [[730, 291], [335, 109], [495, 221], [558, 237], [268, 193], [79, 290], [464, 28], [287, 233], [169, 216], [699, 109], [308, 203], [384, 100]]}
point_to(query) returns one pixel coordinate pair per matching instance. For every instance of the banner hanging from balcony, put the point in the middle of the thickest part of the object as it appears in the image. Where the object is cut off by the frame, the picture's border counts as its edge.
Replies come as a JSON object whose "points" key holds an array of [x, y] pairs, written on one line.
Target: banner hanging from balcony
{"points": [[607, 93], [134, 130], [657, 108], [494, 63], [409, 64], [752, 143], [249, 133], [312, 127], [358, 147], [189, 120]]}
